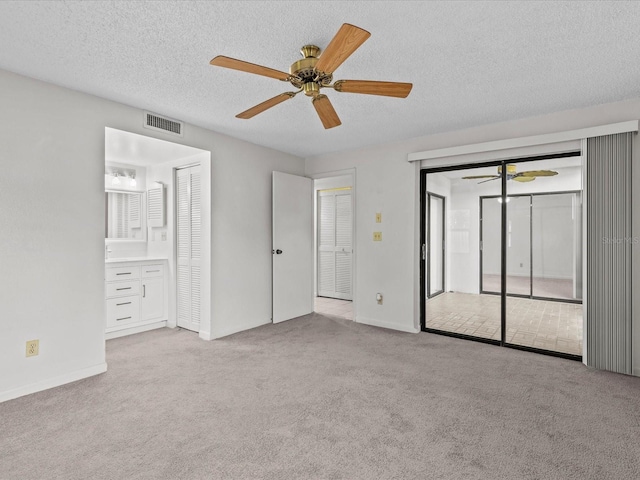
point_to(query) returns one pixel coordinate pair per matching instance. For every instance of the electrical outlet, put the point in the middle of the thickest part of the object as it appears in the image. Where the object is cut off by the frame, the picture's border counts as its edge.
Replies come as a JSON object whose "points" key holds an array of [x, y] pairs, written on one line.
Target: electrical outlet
{"points": [[163, 236], [33, 348], [377, 236], [378, 218]]}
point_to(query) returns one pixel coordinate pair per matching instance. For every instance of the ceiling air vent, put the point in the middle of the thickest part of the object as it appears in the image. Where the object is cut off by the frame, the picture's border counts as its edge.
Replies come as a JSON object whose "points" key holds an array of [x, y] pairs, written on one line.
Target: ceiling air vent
{"points": [[162, 124]]}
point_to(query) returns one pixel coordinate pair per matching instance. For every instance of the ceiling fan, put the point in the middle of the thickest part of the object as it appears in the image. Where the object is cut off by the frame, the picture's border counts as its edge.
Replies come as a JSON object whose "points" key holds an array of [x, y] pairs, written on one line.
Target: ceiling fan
{"points": [[512, 174], [315, 72]]}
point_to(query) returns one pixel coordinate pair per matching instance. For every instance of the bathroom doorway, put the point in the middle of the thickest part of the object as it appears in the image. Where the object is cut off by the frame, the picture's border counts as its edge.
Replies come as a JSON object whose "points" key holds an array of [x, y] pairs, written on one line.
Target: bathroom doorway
{"points": [[148, 166]]}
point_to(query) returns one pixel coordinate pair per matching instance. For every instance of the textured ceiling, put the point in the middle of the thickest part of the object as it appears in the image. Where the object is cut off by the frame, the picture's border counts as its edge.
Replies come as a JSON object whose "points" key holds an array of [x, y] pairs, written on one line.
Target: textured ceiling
{"points": [[471, 63]]}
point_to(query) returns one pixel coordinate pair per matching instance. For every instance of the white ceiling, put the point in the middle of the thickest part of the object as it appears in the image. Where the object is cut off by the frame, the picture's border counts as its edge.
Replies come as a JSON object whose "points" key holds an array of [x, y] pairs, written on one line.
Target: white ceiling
{"points": [[132, 149], [471, 63]]}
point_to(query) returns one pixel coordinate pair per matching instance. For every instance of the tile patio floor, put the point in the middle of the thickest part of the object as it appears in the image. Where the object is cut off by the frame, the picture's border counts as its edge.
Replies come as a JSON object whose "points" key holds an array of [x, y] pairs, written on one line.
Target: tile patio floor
{"points": [[555, 326]]}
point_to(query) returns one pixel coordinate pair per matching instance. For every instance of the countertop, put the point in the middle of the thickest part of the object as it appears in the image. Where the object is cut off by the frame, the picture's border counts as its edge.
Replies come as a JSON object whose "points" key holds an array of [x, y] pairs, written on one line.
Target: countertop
{"points": [[134, 259]]}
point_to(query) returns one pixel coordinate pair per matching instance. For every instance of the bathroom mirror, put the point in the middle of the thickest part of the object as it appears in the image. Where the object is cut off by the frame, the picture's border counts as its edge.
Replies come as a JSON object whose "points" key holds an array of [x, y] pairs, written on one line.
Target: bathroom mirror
{"points": [[124, 215]]}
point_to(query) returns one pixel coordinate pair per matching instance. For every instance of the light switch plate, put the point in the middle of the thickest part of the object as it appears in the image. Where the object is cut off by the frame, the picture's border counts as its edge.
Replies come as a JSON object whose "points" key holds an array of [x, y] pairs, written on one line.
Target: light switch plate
{"points": [[378, 217]]}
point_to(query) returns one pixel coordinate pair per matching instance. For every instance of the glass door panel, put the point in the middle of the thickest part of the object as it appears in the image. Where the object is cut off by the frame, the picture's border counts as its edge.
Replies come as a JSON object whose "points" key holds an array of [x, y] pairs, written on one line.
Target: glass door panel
{"points": [[557, 247], [435, 246], [490, 251], [461, 309], [544, 255], [519, 245]]}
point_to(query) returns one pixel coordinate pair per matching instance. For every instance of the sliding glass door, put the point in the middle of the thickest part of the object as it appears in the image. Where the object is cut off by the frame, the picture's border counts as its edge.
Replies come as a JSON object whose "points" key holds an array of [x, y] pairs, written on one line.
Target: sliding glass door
{"points": [[510, 241]]}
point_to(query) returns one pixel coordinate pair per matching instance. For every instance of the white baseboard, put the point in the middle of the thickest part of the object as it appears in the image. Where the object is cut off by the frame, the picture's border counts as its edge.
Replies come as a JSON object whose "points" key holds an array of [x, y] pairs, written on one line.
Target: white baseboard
{"points": [[205, 335], [53, 382], [390, 326], [237, 328], [636, 371], [138, 329]]}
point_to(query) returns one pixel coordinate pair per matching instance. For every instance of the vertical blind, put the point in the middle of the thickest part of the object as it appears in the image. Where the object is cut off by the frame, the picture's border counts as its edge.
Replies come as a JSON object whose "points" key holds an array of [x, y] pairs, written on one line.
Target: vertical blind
{"points": [[609, 242]]}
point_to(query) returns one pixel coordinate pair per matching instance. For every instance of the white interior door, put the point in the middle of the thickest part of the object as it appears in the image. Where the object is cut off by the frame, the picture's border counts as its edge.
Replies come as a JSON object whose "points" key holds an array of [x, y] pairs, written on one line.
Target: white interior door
{"points": [[189, 225], [335, 245], [292, 246]]}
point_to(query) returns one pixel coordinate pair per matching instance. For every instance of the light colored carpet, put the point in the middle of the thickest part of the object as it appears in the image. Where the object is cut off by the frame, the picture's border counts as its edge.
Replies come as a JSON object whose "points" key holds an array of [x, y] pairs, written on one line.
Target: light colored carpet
{"points": [[325, 398]]}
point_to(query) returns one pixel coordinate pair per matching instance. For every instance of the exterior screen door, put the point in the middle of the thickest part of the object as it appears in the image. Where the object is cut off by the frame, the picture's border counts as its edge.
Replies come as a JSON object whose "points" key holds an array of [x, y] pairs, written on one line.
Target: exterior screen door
{"points": [[292, 246]]}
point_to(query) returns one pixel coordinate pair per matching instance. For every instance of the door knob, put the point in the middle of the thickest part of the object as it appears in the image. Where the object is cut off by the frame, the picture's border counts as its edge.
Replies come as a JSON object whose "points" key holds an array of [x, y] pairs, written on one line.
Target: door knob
{"points": [[278, 252]]}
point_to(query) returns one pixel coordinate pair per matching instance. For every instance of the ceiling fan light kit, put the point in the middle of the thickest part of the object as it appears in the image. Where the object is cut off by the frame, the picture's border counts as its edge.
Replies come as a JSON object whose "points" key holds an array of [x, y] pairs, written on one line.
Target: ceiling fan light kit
{"points": [[513, 174], [314, 72]]}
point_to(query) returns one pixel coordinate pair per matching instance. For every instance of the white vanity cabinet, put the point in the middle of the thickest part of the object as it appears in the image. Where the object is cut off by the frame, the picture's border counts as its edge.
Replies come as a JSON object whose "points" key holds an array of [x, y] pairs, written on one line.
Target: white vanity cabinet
{"points": [[136, 296]]}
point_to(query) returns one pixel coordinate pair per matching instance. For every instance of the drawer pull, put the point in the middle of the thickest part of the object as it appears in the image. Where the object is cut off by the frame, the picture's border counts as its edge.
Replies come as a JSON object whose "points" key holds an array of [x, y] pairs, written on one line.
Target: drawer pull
{"points": [[125, 303], [124, 273], [123, 318], [123, 288], [151, 271], [144, 291]]}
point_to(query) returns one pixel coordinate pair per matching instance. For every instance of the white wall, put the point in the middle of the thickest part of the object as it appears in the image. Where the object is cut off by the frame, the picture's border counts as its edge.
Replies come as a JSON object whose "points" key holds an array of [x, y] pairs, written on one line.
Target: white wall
{"points": [[384, 182], [384, 179], [52, 258]]}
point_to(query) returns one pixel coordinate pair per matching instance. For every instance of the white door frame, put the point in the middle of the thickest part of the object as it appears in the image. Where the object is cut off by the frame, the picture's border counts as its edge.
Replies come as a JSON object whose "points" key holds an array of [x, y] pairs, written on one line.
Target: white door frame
{"points": [[354, 257]]}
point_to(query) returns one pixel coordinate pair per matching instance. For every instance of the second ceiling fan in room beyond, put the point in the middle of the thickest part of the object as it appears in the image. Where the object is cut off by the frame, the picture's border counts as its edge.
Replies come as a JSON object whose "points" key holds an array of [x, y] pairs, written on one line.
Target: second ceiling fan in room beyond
{"points": [[513, 174], [315, 72]]}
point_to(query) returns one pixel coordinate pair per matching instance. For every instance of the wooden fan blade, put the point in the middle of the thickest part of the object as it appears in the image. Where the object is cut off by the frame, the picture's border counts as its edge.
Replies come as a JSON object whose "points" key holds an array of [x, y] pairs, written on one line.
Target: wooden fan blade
{"points": [[473, 177], [261, 107], [538, 173], [325, 110], [524, 179], [228, 62], [345, 42], [369, 87]]}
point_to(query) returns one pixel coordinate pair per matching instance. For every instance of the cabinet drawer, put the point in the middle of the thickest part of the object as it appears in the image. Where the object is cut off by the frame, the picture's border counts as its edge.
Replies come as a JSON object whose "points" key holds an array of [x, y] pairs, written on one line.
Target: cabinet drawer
{"points": [[123, 311], [122, 273], [122, 289], [149, 271]]}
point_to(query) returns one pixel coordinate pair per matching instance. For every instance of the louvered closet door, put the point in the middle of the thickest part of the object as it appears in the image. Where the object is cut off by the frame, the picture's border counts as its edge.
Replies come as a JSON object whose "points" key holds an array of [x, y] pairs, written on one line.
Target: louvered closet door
{"points": [[335, 243], [188, 219]]}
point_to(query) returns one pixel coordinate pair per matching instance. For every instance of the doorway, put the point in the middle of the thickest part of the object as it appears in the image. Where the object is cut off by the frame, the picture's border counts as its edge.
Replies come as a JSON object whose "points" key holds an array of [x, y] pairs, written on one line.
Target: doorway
{"points": [[512, 251], [334, 246], [148, 166]]}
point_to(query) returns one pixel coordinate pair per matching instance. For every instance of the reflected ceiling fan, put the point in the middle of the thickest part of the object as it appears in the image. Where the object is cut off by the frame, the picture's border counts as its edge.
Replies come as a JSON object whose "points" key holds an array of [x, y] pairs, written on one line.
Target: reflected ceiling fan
{"points": [[512, 174], [315, 72]]}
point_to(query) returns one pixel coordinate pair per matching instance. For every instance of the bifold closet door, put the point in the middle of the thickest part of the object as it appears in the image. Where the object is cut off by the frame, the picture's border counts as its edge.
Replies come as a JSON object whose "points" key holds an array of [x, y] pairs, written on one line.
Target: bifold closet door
{"points": [[335, 243], [188, 224]]}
